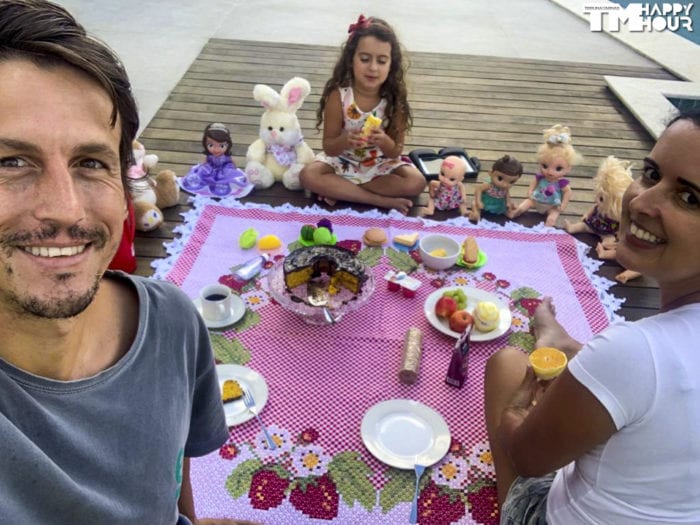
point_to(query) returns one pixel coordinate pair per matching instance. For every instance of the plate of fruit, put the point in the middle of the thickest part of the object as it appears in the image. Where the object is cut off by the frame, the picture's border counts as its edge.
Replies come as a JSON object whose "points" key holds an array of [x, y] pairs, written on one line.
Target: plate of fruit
{"points": [[450, 310]]}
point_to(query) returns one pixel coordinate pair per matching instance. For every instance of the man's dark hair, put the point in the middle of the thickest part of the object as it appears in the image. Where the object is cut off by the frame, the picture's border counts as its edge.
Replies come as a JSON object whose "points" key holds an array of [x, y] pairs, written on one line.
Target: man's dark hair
{"points": [[48, 36]]}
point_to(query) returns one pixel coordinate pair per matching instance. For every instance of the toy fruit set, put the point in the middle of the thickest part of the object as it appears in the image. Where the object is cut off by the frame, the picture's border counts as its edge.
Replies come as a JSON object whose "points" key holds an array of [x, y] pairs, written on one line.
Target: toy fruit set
{"points": [[451, 307]]}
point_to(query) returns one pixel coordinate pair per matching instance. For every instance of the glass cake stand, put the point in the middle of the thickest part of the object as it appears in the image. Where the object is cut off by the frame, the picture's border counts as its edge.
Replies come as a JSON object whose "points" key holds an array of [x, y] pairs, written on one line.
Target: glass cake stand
{"points": [[297, 300]]}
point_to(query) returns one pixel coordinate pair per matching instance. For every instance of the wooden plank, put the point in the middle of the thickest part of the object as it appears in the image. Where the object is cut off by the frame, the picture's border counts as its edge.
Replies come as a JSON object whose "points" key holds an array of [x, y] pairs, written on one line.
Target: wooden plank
{"points": [[488, 105]]}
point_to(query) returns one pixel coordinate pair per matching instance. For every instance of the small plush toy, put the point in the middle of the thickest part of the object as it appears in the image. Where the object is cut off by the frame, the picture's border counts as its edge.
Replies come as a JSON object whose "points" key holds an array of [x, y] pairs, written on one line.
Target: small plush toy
{"points": [[150, 194], [549, 191], [447, 193], [280, 153], [218, 175], [494, 196]]}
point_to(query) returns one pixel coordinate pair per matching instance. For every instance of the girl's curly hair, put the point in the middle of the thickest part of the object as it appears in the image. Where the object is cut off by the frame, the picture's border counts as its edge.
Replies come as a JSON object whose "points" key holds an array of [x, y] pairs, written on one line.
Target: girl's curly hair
{"points": [[398, 112]]}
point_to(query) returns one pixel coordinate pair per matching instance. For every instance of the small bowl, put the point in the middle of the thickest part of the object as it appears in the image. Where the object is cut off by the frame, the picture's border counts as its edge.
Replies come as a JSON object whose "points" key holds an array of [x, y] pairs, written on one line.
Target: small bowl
{"points": [[433, 242]]}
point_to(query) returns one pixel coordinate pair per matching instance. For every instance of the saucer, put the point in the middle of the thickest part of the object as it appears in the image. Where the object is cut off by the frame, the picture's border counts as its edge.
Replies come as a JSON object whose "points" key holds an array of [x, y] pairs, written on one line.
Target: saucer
{"points": [[235, 315]]}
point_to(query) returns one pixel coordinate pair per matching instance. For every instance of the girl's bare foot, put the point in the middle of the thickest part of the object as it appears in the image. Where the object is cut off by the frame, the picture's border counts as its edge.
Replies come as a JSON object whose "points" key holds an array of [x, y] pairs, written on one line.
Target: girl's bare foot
{"points": [[399, 204], [327, 200], [627, 275]]}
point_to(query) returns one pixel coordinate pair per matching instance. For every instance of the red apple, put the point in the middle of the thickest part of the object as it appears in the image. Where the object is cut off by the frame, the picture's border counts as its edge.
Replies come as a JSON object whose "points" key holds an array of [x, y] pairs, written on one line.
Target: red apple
{"points": [[445, 307], [460, 320]]}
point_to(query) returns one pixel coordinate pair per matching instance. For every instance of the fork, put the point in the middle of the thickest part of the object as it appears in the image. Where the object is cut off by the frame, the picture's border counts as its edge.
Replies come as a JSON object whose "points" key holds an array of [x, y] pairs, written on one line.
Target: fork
{"points": [[414, 506], [249, 403]]}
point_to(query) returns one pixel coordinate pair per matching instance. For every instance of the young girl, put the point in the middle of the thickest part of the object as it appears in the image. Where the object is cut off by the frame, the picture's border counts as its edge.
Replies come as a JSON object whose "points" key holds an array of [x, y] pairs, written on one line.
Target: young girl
{"points": [[549, 191], [494, 196], [368, 79], [217, 176]]}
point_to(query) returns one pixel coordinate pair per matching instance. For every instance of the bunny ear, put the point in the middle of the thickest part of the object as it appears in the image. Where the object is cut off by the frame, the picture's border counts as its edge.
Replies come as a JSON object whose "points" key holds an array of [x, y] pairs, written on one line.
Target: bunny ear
{"points": [[293, 93], [268, 97]]}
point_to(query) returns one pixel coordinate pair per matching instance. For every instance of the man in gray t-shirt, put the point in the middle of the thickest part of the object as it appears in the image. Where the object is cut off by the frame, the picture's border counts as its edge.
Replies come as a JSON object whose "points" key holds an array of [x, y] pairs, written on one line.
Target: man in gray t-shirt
{"points": [[107, 382]]}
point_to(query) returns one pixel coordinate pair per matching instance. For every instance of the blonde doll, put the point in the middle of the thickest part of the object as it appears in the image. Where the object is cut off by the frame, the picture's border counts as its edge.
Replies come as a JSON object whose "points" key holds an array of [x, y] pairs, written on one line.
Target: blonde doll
{"points": [[362, 164], [603, 218], [550, 192]]}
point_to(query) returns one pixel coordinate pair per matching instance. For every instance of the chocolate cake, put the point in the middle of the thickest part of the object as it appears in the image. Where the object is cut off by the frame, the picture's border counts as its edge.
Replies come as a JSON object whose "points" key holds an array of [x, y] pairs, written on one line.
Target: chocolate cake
{"points": [[310, 262]]}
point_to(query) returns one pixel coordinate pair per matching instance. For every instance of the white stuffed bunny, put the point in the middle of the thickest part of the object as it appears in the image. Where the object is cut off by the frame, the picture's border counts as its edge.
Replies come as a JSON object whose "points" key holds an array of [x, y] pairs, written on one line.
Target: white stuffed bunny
{"points": [[280, 153]]}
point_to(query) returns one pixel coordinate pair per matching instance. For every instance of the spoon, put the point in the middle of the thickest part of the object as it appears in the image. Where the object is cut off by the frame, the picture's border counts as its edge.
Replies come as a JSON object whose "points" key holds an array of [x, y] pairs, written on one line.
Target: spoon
{"points": [[317, 295]]}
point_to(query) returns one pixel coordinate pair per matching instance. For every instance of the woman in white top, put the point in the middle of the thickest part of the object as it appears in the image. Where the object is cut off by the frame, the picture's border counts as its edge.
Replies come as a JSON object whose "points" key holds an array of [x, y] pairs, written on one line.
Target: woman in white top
{"points": [[615, 439]]}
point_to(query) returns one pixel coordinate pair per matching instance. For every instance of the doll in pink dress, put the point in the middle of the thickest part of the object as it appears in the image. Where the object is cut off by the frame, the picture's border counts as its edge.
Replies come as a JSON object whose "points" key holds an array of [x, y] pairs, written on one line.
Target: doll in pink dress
{"points": [[447, 193]]}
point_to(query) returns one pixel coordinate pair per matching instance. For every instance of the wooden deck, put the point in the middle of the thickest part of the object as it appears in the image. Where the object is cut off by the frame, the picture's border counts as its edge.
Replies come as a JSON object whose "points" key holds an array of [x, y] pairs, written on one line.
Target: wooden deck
{"points": [[489, 106]]}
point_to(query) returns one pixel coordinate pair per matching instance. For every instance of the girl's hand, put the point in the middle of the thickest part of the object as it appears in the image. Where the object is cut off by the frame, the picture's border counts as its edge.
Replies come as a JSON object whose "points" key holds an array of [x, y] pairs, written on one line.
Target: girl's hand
{"points": [[380, 139], [355, 140]]}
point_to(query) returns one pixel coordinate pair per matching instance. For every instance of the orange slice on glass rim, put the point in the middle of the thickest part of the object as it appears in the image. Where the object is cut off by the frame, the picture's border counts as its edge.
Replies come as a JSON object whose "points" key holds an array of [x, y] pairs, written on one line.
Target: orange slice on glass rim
{"points": [[547, 362]]}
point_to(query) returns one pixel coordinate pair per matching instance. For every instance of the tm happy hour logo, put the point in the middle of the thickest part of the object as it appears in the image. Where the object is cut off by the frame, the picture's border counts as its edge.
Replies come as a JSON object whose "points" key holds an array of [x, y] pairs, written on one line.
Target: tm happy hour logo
{"points": [[646, 17]]}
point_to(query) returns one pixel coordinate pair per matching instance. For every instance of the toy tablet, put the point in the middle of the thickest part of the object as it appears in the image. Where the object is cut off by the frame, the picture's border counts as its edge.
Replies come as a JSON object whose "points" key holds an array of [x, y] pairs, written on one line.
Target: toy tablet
{"points": [[428, 161]]}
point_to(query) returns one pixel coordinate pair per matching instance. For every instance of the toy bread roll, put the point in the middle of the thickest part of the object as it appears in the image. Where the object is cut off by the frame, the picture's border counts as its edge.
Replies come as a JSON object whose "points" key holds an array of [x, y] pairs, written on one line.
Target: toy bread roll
{"points": [[410, 356], [470, 250], [486, 316], [374, 237]]}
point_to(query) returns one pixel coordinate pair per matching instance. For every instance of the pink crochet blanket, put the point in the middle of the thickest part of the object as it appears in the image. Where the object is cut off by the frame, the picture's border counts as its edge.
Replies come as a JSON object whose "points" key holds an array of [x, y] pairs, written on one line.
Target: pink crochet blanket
{"points": [[323, 379]]}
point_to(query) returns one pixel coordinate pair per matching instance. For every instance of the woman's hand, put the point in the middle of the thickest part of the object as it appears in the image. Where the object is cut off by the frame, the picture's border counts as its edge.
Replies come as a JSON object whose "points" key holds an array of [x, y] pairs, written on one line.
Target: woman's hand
{"points": [[529, 391]]}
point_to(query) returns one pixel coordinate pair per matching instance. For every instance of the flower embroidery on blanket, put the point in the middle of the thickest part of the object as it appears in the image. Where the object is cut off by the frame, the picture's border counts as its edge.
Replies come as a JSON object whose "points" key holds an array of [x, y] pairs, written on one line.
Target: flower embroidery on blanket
{"points": [[315, 483]]}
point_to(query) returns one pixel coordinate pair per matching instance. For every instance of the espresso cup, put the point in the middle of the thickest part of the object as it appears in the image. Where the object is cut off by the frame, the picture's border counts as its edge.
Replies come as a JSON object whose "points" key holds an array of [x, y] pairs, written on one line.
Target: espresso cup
{"points": [[216, 302]]}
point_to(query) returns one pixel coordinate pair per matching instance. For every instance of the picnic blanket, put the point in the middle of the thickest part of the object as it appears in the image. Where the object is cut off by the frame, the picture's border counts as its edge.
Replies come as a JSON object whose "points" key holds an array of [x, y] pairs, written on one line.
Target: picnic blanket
{"points": [[323, 379]]}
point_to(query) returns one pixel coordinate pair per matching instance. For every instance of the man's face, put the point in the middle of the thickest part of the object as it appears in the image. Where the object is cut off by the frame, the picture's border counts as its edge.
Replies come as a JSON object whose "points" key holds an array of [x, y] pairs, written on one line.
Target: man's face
{"points": [[62, 202]]}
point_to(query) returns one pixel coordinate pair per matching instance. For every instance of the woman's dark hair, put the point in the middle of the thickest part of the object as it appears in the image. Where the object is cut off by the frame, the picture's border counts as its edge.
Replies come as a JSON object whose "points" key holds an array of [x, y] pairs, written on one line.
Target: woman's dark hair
{"points": [[218, 132], [48, 36], [692, 114], [398, 112]]}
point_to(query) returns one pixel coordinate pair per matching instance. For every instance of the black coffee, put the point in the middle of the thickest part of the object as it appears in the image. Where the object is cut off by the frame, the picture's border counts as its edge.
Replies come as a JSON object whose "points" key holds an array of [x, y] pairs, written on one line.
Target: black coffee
{"points": [[216, 297]]}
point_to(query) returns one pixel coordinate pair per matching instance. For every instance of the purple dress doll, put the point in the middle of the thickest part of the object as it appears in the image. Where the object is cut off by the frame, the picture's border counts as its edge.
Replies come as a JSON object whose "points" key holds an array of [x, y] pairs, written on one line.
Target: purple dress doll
{"points": [[218, 176]]}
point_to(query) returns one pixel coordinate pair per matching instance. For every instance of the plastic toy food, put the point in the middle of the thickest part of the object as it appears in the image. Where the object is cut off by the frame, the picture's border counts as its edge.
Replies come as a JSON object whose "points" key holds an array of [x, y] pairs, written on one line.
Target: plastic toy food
{"points": [[231, 391], [248, 238], [445, 307], [374, 237], [470, 250], [459, 296], [486, 316], [407, 239], [371, 123], [268, 243], [547, 362], [460, 321]]}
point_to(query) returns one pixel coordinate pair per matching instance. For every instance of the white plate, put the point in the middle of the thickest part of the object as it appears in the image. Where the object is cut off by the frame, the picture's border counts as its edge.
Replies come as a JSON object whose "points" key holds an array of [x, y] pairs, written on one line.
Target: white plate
{"points": [[474, 295], [235, 315], [403, 432], [236, 412]]}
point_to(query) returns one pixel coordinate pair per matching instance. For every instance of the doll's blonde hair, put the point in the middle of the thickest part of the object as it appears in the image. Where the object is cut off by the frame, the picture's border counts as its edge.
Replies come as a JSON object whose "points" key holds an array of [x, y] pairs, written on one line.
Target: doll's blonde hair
{"points": [[557, 143], [611, 181]]}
